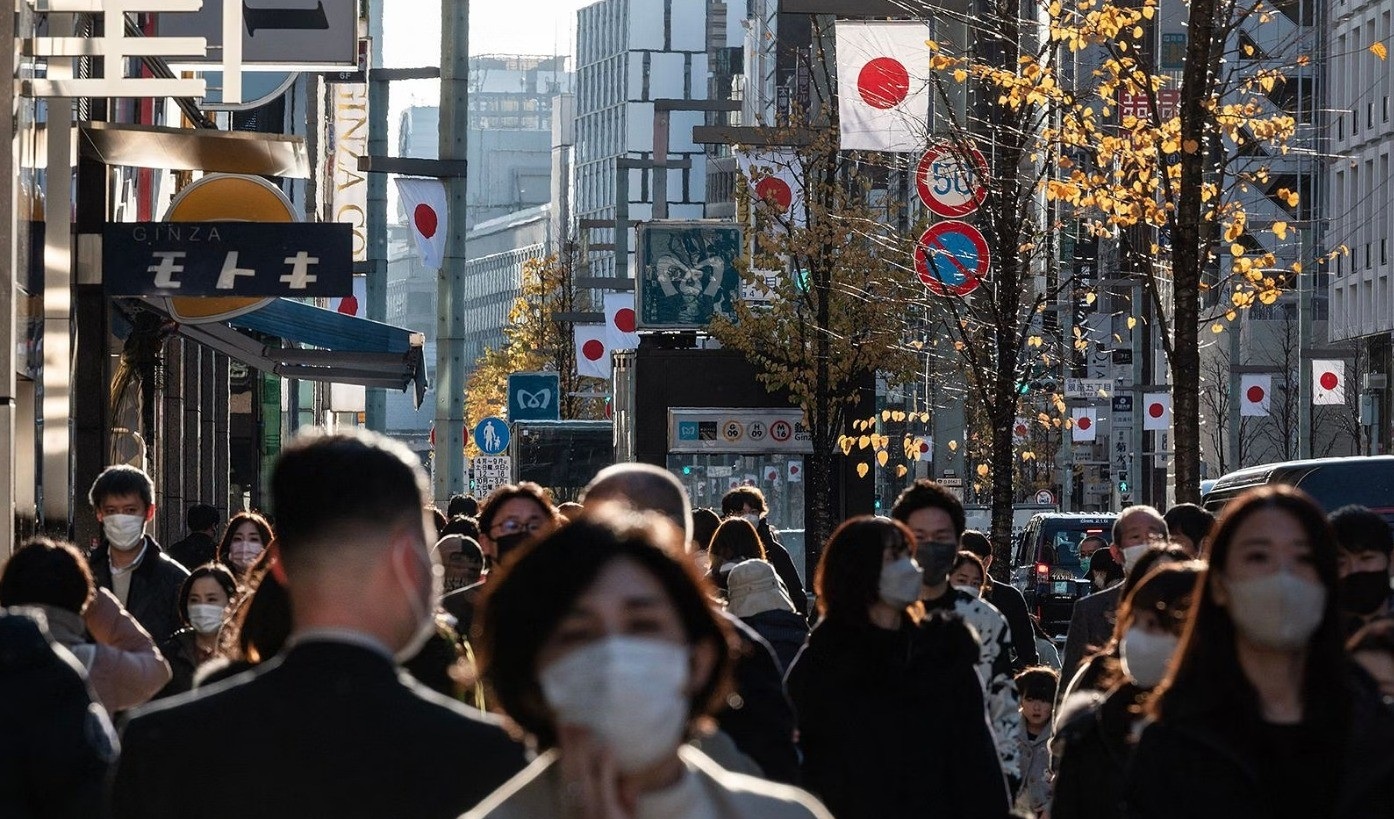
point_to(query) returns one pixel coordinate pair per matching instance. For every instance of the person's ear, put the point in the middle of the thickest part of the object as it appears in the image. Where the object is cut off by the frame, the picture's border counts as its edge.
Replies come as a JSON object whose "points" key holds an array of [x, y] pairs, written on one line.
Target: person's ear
{"points": [[275, 565], [1117, 552], [1218, 591], [702, 665], [150, 512]]}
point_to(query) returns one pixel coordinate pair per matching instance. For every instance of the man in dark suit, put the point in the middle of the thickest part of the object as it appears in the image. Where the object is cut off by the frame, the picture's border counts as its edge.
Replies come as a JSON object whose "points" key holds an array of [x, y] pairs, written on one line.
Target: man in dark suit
{"points": [[201, 546], [1091, 623], [129, 563], [1008, 600], [332, 726]]}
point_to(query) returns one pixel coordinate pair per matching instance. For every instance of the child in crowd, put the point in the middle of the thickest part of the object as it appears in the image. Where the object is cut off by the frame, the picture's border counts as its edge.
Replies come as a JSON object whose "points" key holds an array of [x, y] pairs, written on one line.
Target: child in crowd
{"points": [[1036, 689]]}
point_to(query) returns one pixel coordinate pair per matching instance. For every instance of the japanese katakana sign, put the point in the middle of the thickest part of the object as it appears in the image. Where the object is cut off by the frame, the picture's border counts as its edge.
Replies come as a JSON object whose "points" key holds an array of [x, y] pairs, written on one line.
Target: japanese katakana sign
{"points": [[227, 259]]}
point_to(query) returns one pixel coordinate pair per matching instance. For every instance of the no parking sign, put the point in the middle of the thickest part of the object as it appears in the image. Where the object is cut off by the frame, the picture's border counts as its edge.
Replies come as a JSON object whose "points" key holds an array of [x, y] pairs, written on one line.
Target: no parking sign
{"points": [[951, 258]]}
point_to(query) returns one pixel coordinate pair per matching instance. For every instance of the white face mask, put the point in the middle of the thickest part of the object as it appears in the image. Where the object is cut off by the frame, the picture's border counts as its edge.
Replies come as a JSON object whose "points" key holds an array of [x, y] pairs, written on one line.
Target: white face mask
{"points": [[244, 553], [1279, 611], [1131, 555], [1145, 655], [900, 582], [629, 692], [206, 618], [975, 591], [123, 532], [753, 518], [420, 609]]}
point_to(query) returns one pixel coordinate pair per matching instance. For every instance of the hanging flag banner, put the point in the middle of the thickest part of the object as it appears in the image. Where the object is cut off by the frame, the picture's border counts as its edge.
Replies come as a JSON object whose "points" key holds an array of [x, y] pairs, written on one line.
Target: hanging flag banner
{"points": [[592, 350], [775, 178], [1084, 424], [883, 91], [1156, 411], [424, 201], [1021, 429], [1328, 382], [1255, 393], [620, 321]]}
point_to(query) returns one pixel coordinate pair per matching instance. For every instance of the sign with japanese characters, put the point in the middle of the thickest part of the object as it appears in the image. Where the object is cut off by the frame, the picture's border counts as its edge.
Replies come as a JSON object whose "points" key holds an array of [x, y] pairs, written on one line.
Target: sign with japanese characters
{"points": [[227, 259], [744, 430]]}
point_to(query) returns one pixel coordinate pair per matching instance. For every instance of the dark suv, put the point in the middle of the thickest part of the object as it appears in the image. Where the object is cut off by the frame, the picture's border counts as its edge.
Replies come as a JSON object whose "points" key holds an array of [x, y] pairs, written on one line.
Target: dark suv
{"points": [[1046, 565]]}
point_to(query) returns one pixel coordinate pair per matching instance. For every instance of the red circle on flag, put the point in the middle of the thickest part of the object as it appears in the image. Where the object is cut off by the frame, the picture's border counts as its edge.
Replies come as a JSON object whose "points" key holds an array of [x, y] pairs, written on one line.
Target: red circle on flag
{"points": [[1155, 409], [883, 83], [924, 447], [593, 350], [1084, 422], [1329, 381], [624, 319], [1020, 430], [776, 191], [425, 220], [1254, 394], [793, 469], [348, 305]]}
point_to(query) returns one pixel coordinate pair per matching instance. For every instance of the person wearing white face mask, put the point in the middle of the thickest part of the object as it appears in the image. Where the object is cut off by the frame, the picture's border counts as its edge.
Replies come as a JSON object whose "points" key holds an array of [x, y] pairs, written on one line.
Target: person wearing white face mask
{"points": [[1095, 729], [748, 502], [129, 562], [1262, 713], [885, 699], [247, 535], [1093, 617], [350, 735], [207, 596], [601, 644]]}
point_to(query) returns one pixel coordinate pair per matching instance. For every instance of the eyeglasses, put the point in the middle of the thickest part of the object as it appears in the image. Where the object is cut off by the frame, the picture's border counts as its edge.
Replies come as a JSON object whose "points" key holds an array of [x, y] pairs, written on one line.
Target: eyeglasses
{"points": [[513, 526]]}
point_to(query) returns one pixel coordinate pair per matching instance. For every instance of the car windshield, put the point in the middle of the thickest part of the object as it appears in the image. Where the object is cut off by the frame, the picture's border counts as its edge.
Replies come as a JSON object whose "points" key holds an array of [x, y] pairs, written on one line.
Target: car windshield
{"points": [[1061, 544]]}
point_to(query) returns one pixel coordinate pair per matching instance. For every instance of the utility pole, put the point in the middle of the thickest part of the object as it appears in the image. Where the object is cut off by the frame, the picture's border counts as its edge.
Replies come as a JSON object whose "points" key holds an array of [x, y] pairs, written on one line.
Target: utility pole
{"points": [[450, 319], [376, 217]]}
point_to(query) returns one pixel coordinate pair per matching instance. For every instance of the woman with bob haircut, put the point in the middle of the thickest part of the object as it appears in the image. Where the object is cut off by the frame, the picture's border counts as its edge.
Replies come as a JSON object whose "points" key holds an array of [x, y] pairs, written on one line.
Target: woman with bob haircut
{"points": [[205, 599], [601, 644], [735, 541], [1262, 713], [891, 714]]}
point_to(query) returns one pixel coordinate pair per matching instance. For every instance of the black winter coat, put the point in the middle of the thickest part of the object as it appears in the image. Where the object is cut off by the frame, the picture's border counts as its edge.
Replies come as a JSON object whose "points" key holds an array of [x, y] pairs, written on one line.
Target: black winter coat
{"points": [[1093, 745], [181, 649], [1222, 777], [785, 631], [892, 723], [760, 719], [154, 595], [55, 743], [1012, 604]]}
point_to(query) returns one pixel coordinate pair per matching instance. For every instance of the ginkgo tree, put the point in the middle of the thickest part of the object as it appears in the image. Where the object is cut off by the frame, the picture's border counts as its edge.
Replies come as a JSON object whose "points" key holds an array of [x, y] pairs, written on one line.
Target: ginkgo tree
{"points": [[1165, 165]]}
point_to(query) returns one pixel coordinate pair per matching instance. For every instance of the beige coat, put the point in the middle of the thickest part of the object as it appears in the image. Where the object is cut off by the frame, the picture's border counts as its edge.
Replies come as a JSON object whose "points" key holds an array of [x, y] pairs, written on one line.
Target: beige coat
{"points": [[123, 665], [537, 793]]}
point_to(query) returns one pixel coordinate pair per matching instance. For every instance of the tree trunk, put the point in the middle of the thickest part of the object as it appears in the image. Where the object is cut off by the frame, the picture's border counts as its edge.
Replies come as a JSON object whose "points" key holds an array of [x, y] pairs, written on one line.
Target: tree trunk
{"points": [[1188, 259]]}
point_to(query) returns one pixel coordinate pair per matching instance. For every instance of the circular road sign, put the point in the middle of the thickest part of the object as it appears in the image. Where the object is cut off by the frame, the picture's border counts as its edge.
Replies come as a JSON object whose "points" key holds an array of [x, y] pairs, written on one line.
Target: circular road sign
{"points": [[951, 258], [950, 180], [491, 435]]}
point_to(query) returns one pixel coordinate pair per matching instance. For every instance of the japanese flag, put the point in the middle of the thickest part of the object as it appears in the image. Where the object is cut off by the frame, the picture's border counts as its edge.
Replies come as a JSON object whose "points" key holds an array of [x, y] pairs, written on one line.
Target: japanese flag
{"points": [[1328, 381], [1156, 410], [1084, 424], [926, 447], [883, 89], [592, 350], [425, 204], [619, 321], [1255, 392], [1021, 429], [775, 178]]}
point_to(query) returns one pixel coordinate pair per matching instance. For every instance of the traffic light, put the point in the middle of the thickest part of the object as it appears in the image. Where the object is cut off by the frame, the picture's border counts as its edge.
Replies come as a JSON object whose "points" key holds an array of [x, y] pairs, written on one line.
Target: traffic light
{"points": [[1123, 486], [687, 470]]}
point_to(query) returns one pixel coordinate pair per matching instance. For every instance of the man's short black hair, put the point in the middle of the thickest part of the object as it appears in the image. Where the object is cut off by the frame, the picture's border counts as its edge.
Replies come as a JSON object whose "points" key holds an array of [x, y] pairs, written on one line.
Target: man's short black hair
{"points": [[926, 494], [327, 486], [45, 572], [466, 505], [201, 517], [1190, 520], [976, 542], [461, 525], [741, 497], [121, 480], [1360, 530]]}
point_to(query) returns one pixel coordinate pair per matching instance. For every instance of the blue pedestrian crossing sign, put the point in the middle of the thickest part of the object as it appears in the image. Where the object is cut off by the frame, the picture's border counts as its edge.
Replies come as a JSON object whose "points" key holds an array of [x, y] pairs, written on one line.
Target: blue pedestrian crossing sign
{"points": [[491, 435]]}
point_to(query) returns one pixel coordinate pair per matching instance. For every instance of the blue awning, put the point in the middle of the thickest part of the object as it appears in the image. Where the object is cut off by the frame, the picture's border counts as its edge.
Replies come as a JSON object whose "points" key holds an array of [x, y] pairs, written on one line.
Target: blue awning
{"points": [[329, 346]]}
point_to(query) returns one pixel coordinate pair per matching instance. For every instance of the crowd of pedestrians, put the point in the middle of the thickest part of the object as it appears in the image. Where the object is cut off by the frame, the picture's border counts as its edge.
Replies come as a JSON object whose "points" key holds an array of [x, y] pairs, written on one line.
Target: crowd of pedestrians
{"points": [[363, 654]]}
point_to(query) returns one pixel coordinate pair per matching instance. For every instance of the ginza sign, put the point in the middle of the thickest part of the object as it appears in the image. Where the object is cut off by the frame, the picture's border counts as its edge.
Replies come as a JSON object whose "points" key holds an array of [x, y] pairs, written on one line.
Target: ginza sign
{"points": [[227, 259]]}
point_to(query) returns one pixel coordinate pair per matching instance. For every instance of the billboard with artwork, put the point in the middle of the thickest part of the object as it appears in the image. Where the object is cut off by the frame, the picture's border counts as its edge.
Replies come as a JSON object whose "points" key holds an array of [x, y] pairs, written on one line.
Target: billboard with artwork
{"points": [[687, 273]]}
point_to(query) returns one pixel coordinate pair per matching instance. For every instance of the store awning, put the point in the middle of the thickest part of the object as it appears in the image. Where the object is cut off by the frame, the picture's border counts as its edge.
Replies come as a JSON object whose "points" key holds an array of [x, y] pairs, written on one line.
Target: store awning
{"points": [[330, 346]]}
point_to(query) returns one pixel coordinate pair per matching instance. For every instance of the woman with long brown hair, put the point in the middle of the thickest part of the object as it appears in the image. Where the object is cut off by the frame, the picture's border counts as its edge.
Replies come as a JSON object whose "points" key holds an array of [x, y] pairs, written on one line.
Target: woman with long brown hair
{"points": [[1262, 713]]}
